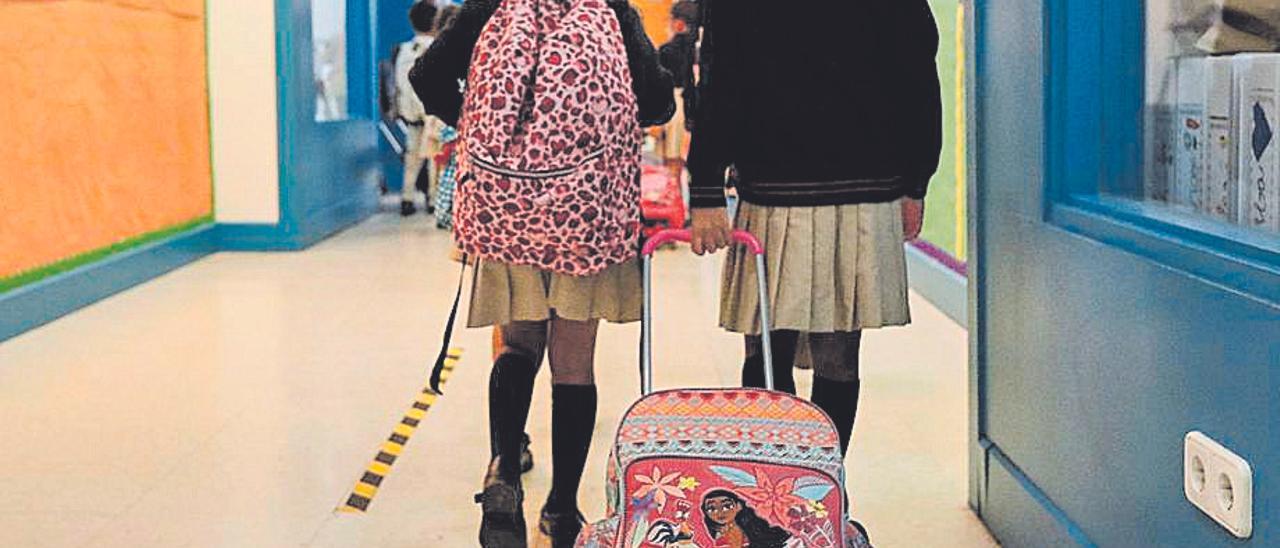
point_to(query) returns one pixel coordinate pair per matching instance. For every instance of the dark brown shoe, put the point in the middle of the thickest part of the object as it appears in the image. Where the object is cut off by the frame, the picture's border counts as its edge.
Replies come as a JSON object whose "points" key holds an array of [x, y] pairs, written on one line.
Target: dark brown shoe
{"points": [[407, 208], [502, 501], [561, 528]]}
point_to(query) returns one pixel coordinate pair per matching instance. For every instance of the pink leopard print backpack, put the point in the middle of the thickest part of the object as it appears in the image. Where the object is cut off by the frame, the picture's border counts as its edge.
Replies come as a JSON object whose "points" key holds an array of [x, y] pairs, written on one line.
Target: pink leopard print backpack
{"points": [[550, 156]]}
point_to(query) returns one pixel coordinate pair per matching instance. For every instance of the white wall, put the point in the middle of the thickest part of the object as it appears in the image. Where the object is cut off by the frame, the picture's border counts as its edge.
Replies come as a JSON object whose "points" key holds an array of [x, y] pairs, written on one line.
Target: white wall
{"points": [[242, 93]]}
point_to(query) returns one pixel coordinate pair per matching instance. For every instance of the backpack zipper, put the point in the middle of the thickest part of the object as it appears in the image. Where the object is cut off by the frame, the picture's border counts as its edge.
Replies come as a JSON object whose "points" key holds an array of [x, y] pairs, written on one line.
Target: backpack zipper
{"points": [[491, 166]]}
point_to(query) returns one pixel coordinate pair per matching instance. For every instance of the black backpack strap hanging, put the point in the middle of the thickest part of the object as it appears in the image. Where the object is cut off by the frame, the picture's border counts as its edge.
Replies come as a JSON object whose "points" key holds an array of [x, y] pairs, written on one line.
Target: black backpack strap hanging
{"points": [[448, 332]]}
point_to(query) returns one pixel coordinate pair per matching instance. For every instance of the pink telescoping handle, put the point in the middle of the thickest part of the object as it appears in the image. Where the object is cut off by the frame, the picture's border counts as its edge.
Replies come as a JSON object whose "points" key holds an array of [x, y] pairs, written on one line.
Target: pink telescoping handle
{"points": [[677, 235], [741, 237]]}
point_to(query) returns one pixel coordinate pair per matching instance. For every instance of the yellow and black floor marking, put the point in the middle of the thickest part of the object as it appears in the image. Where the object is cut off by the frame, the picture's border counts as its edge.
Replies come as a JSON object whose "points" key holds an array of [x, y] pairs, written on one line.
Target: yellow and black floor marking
{"points": [[368, 484]]}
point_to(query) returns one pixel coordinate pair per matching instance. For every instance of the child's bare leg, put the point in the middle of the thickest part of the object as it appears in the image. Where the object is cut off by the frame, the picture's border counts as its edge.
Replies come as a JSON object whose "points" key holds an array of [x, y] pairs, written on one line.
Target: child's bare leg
{"points": [[413, 164], [571, 348]]}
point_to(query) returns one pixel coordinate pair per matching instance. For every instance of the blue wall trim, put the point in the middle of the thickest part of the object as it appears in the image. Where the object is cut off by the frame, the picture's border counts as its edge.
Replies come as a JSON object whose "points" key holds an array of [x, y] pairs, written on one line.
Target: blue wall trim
{"points": [[32, 306], [940, 285], [976, 323], [1122, 224], [312, 230], [1014, 497], [254, 237]]}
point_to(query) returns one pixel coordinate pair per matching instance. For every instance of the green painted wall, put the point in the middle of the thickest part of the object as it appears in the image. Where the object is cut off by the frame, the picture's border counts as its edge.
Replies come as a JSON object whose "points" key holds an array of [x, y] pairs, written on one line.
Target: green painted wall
{"points": [[940, 226]]}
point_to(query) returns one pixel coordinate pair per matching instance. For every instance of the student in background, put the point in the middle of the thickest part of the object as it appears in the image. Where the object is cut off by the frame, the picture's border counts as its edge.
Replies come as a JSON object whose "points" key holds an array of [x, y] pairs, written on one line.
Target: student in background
{"points": [[445, 164], [420, 141], [679, 57]]}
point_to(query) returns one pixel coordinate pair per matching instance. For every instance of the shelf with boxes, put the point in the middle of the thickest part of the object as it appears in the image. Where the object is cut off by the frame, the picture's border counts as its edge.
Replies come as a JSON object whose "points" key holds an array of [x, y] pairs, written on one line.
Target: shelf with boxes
{"points": [[1212, 119], [1216, 147]]}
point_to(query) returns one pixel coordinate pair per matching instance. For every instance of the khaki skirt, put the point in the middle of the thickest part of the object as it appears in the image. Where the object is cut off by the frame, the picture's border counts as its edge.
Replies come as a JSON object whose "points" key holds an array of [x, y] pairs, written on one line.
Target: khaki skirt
{"points": [[831, 269], [502, 294]]}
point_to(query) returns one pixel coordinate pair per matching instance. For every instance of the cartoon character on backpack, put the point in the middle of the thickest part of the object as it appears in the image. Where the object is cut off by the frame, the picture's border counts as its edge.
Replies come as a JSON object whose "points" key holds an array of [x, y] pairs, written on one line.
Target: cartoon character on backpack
{"points": [[733, 523], [675, 533]]}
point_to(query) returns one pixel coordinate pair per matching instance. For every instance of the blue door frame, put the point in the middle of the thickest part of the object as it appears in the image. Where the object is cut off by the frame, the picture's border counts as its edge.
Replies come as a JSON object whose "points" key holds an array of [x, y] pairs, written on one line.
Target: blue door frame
{"points": [[1101, 331], [393, 28], [329, 171]]}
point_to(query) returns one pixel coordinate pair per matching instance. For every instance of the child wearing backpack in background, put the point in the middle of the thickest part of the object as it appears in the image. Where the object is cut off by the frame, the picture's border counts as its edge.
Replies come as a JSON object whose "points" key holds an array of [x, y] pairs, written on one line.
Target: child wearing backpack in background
{"points": [[421, 136], [679, 56], [548, 202]]}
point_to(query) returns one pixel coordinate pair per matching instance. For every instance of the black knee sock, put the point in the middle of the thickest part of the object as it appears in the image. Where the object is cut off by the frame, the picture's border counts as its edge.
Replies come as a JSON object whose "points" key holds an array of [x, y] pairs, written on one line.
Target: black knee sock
{"points": [[840, 401], [573, 420], [510, 393], [494, 386], [784, 359]]}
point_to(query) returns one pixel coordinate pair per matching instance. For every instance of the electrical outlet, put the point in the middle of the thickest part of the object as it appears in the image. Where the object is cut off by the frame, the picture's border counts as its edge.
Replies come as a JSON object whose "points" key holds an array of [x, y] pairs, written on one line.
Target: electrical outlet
{"points": [[1219, 483]]}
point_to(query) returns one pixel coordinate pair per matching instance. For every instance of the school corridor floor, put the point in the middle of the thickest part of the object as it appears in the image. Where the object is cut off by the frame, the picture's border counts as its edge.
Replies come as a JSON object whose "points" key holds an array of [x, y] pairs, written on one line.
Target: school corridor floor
{"points": [[237, 401]]}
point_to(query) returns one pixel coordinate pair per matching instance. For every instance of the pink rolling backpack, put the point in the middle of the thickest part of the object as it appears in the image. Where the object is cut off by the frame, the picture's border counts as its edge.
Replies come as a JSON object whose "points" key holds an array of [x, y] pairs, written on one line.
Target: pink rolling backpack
{"points": [[715, 468]]}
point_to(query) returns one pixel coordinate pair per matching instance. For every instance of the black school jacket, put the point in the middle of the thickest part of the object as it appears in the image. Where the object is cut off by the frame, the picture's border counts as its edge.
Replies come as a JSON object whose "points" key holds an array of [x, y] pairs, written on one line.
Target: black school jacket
{"points": [[817, 102]]}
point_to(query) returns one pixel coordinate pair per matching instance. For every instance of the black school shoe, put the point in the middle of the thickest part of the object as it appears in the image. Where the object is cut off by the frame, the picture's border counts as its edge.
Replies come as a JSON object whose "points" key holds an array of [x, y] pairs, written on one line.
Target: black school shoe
{"points": [[863, 531], [561, 528], [502, 502], [407, 208]]}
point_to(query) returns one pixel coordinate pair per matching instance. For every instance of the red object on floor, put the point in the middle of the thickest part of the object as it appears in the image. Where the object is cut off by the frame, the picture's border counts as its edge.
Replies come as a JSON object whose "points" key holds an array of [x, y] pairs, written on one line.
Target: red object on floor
{"points": [[661, 199]]}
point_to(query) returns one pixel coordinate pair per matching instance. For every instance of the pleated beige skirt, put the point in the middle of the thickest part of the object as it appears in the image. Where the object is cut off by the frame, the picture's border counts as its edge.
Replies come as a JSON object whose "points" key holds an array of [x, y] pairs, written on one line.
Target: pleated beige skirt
{"points": [[503, 293], [830, 269]]}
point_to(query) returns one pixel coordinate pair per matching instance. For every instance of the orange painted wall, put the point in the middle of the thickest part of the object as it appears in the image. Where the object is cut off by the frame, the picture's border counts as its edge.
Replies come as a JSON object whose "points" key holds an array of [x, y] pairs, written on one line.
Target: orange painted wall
{"points": [[104, 130], [657, 19]]}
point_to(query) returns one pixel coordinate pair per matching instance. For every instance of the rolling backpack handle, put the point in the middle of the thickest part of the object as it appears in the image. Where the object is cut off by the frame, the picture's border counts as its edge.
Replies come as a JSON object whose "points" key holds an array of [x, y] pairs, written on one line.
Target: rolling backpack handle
{"points": [[741, 237]]}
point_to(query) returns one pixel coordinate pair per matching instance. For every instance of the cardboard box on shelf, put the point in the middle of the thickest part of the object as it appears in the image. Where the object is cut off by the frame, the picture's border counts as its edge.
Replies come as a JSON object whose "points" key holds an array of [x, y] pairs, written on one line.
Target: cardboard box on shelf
{"points": [[1258, 77], [1189, 144], [1162, 134], [1221, 181]]}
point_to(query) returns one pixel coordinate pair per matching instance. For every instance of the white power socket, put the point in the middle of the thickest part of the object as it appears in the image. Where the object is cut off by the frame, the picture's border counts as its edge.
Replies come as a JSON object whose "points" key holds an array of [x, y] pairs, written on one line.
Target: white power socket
{"points": [[1219, 483]]}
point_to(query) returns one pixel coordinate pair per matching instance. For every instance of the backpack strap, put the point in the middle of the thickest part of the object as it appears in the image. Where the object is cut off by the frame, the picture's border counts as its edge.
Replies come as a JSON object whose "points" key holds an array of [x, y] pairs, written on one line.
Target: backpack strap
{"points": [[448, 331]]}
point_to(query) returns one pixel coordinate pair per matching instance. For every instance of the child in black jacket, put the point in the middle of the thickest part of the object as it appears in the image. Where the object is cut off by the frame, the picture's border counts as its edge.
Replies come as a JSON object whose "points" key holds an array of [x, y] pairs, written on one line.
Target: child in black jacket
{"points": [[834, 124]]}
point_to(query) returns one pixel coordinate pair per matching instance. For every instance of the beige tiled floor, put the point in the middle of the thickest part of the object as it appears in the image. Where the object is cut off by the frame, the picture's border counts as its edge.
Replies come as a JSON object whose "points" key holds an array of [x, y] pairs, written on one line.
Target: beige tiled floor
{"points": [[235, 402]]}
